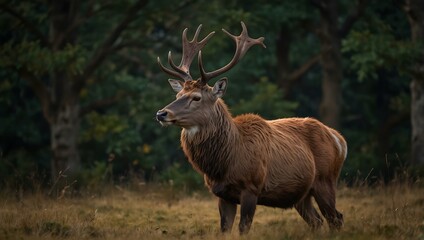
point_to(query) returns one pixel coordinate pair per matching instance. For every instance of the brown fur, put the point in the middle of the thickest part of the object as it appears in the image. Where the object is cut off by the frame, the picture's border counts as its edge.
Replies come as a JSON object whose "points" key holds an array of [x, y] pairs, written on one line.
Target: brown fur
{"points": [[248, 160]]}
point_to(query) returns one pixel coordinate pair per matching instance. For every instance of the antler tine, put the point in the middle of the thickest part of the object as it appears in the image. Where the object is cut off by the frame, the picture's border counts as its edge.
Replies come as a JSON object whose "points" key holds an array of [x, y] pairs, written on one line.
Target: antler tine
{"points": [[190, 49], [183, 74], [202, 70], [243, 43], [167, 70], [196, 34]]}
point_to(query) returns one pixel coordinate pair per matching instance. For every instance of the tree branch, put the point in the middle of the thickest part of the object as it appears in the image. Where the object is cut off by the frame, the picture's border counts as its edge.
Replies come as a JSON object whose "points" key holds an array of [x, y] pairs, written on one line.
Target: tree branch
{"points": [[102, 103], [352, 18], [131, 59], [105, 48], [80, 20], [298, 73], [27, 23], [40, 91], [58, 41], [134, 44]]}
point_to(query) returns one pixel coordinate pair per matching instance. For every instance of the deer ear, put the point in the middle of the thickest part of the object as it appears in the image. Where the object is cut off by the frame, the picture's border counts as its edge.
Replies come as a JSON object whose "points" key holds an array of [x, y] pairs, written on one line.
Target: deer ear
{"points": [[177, 85], [220, 87]]}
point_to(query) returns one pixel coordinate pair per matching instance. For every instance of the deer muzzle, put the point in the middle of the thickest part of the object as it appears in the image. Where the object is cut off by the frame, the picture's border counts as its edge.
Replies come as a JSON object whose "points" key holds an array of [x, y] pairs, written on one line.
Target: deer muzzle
{"points": [[164, 118], [161, 115]]}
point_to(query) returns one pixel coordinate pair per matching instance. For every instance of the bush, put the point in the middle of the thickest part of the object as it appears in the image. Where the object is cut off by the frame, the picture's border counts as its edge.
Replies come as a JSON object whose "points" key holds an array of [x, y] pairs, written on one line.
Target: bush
{"points": [[182, 178]]}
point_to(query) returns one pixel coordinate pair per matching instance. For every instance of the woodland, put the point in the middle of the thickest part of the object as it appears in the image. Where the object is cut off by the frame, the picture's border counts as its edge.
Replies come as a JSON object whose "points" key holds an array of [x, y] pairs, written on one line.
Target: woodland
{"points": [[80, 84]]}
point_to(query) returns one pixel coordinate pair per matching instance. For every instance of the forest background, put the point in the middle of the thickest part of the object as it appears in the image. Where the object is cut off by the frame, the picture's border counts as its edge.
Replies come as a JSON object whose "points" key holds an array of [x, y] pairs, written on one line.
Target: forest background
{"points": [[80, 84]]}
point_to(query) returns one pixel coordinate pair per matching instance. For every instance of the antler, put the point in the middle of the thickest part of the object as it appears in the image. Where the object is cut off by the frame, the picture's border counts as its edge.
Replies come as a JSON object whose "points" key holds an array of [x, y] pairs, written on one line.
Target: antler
{"points": [[243, 43], [190, 49]]}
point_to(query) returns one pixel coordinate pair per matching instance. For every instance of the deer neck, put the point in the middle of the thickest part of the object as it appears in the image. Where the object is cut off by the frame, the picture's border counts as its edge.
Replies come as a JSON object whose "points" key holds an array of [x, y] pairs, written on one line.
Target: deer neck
{"points": [[209, 147]]}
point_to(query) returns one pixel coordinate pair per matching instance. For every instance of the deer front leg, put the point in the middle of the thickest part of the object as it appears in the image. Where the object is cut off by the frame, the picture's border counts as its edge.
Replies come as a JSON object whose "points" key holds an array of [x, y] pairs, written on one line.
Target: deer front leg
{"points": [[248, 202], [227, 211]]}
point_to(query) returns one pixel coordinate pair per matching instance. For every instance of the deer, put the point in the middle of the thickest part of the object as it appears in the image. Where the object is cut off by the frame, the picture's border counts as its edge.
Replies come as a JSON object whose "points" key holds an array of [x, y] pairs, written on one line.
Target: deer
{"points": [[247, 160]]}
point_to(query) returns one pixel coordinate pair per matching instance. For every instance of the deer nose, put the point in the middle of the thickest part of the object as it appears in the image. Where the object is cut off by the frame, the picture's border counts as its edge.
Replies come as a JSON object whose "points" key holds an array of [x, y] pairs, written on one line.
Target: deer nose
{"points": [[161, 115]]}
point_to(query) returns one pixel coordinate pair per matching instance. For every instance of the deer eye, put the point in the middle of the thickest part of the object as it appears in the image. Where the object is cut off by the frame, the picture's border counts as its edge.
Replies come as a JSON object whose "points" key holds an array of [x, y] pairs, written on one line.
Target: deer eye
{"points": [[196, 98]]}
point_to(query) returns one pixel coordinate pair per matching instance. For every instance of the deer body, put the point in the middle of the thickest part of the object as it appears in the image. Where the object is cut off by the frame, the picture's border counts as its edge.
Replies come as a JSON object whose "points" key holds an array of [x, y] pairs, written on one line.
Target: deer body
{"points": [[248, 160], [257, 155]]}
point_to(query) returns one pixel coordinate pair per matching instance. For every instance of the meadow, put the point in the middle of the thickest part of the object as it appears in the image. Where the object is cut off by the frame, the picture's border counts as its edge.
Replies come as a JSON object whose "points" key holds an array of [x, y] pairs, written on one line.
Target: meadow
{"points": [[153, 212]]}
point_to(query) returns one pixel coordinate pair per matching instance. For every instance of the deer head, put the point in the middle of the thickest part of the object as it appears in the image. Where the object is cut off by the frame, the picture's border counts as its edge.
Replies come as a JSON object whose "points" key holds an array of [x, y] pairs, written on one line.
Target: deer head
{"points": [[195, 98]]}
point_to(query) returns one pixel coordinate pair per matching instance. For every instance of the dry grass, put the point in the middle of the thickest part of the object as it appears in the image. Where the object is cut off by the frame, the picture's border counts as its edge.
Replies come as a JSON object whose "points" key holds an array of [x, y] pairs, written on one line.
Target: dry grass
{"points": [[395, 212]]}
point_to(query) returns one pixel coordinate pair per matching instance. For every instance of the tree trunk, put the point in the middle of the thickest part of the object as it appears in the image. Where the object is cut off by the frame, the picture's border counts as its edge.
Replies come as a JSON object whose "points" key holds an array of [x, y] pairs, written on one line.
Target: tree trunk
{"points": [[58, 89], [417, 121], [415, 12], [64, 123], [331, 62], [286, 77], [64, 140], [283, 61]]}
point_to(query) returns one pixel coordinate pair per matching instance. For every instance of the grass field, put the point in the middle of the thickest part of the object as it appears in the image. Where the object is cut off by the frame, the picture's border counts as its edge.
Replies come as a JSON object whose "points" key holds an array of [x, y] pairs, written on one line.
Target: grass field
{"points": [[394, 212]]}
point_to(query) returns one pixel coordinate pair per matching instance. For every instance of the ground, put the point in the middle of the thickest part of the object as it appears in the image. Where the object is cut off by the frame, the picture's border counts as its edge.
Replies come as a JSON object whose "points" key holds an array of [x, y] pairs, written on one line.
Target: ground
{"points": [[391, 212]]}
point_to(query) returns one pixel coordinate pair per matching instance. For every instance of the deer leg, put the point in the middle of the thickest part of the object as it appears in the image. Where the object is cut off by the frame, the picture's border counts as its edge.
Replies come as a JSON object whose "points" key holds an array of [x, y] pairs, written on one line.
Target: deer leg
{"points": [[309, 213], [325, 195], [248, 202], [227, 211]]}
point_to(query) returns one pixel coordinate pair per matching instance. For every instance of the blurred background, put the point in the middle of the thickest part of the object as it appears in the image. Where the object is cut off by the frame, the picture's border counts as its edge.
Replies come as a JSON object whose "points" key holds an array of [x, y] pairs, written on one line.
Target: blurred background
{"points": [[80, 84]]}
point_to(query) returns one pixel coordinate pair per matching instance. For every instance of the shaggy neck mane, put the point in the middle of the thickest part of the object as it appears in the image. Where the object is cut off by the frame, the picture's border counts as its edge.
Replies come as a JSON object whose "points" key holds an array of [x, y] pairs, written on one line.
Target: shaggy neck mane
{"points": [[209, 148]]}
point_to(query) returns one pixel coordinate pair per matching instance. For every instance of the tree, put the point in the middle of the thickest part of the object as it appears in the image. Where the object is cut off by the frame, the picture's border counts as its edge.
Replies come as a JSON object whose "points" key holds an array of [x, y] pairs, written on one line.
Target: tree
{"points": [[52, 60], [415, 12], [380, 53], [296, 24], [330, 35]]}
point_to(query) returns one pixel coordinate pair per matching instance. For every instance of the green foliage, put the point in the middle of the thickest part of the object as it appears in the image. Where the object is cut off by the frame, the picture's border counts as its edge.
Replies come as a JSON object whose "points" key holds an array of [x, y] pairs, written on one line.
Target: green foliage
{"points": [[373, 51], [287, 12], [96, 176], [378, 56], [107, 129], [24, 143], [39, 60], [266, 101], [182, 178], [102, 125]]}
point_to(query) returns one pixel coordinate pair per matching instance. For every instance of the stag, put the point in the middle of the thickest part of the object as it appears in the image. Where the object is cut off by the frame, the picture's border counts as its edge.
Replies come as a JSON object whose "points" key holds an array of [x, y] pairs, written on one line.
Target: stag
{"points": [[248, 160]]}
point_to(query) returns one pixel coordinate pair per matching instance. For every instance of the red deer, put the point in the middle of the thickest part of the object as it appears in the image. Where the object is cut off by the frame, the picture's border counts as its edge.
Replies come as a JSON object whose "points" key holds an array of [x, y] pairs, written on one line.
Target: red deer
{"points": [[248, 160]]}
